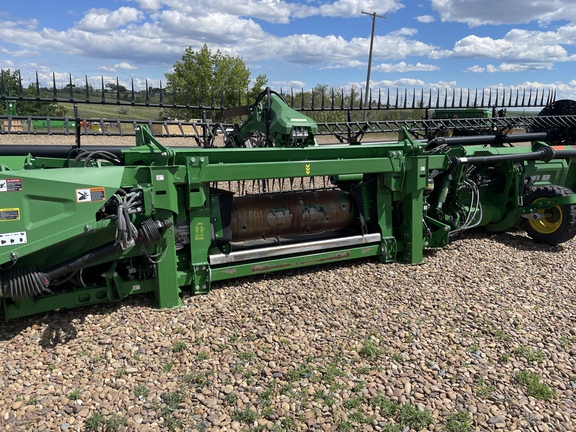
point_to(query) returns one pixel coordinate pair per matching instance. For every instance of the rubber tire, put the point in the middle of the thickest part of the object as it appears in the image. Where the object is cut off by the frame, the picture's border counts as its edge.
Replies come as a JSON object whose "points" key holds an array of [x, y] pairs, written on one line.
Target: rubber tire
{"points": [[560, 227]]}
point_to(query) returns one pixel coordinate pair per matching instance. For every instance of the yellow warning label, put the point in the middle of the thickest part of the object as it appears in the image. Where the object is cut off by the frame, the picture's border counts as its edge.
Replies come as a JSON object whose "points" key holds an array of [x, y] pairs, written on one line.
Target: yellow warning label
{"points": [[307, 169], [9, 214]]}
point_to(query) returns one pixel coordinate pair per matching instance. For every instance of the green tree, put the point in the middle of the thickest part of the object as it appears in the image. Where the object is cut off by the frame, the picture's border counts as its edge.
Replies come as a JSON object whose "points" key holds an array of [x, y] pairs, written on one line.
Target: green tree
{"points": [[11, 83], [202, 75], [116, 88]]}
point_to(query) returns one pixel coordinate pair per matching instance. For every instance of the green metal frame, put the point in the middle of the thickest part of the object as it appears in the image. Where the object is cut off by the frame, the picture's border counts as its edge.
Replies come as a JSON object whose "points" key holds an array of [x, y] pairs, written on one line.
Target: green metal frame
{"points": [[390, 182]]}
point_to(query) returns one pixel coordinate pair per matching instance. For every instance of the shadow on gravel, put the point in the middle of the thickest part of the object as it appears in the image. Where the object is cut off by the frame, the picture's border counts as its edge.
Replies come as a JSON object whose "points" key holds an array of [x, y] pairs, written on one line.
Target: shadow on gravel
{"points": [[60, 324]]}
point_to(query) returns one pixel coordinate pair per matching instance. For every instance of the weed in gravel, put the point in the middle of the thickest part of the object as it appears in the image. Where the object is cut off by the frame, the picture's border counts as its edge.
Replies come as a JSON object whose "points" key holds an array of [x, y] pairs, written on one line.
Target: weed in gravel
{"points": [[389, 427], [354, 402], [387, 407], [172, 399], [246, 356], [178, 346], [531, 356], [288, 423], [535, 388], [332, 371], [411, 416], [302, 371], [198, 379], [115, 422], [167, 367], [326, 398], [246, 415], [97, 422], [75, 394], [141, 392], [203, 355], [369, 350], [231, 399], [458, 422], [484, 389], [344, 425], [359, 417]]}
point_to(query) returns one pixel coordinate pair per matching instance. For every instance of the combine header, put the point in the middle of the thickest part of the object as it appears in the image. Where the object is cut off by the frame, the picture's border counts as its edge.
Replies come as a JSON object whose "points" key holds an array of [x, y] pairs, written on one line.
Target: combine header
{"points": [[87, 225]]}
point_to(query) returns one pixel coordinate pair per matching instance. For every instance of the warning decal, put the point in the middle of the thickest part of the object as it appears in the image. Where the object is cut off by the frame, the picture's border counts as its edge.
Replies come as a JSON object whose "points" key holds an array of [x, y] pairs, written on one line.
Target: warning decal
{"points": [[90, 195], [9, 214], [11, 185]]}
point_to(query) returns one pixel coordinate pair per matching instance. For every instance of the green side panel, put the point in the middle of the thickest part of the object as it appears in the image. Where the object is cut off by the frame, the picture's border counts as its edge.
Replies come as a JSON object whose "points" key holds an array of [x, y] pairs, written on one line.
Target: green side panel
{"points": [[40, 208]]}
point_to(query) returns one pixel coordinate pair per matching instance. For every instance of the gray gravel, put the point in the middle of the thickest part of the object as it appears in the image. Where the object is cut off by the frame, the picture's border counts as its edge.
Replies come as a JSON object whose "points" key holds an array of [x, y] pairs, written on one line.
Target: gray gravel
{"points": [[324, 348]]}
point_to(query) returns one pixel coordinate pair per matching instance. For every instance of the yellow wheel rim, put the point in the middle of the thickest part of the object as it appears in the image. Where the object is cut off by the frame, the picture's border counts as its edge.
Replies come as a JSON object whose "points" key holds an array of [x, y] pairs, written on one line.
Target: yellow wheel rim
{"points": [[549, 224]]}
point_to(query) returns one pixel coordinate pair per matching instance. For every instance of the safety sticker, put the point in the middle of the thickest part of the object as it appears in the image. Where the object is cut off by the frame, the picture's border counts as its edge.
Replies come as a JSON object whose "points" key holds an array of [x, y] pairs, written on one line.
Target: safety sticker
{"points": [[90, 195], [13, 239], [9, 214], [11, 185]]}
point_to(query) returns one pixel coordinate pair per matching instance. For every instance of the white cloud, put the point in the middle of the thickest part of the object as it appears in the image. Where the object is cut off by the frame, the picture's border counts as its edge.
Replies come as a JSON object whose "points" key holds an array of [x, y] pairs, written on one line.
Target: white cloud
{"points": [[425, 19], [6, 64], [104, 20], [476, 13], [125, 66], [519, 50], [289, 84], [403, 82], [404, 67], [510, 67], [149, 5], [346, 8], [20, 53]]}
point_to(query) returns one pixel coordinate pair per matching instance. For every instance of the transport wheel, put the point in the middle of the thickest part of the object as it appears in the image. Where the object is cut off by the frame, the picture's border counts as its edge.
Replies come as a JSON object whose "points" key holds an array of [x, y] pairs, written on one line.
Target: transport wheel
{"points": [[559, 224]]}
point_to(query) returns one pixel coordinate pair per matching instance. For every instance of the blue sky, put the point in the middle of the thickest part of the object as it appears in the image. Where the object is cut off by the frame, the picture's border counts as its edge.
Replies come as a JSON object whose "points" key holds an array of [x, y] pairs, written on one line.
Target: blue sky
{"points": [[428, 43]]}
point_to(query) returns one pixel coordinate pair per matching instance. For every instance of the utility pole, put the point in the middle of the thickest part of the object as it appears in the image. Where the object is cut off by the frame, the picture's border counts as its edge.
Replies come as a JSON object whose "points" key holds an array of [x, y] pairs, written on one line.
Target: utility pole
{"points": [[366, 95]]}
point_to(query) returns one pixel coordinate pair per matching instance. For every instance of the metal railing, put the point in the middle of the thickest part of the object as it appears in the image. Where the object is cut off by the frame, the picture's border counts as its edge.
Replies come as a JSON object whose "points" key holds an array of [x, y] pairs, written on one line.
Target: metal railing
{"points": [[326, 100]]}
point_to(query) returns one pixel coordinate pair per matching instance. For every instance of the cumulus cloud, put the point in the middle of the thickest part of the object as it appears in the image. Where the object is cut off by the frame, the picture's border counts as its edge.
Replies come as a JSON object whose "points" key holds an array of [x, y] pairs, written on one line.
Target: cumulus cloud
{"points": [[425, 19], [104, 20], [476, 13], [149, 5], [125, 66], [519, 50]]}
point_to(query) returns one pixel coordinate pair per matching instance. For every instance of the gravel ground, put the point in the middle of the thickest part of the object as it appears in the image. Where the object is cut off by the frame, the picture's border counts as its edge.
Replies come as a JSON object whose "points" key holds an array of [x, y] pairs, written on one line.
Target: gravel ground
{"points": [[338, 346], [484, 330]]}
